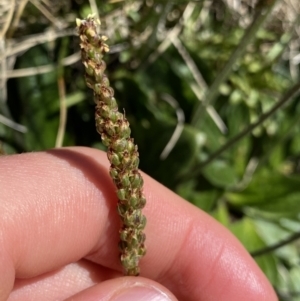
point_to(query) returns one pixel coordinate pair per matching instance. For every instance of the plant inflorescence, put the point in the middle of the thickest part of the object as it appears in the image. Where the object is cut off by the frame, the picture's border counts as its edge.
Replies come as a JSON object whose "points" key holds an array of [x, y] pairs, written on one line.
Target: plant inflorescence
{"points": [[121, 150]]}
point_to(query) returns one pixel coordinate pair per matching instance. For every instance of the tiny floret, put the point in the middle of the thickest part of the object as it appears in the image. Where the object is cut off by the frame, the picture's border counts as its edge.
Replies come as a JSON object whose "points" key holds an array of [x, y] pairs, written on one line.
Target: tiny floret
{"points": [[78, 22]]}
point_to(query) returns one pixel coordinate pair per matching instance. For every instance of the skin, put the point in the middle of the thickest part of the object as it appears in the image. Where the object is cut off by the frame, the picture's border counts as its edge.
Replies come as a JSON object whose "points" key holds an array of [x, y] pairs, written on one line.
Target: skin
{"points": [[59, 234]]}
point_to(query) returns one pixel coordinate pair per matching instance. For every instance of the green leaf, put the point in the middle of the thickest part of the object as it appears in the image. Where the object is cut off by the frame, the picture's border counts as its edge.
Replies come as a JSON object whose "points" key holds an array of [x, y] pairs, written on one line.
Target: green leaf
{"points": [[295, 280], [290, 224], [286, 206], [272, 233], [237, 115], [70, 99], [214, 138], [222, 215], [203, 199], [37, 95], [246, 232], [152, 141], [220, 173], [266, 187]]}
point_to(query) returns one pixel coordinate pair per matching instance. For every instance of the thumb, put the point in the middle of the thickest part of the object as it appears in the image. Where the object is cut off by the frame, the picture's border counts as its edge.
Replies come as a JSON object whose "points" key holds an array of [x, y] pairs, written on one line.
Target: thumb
{"points": [[125, 289]]}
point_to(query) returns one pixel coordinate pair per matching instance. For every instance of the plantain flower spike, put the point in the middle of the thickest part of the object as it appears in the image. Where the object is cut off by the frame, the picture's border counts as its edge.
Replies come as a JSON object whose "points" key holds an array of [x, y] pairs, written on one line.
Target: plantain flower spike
{"points": [[121, 150]]}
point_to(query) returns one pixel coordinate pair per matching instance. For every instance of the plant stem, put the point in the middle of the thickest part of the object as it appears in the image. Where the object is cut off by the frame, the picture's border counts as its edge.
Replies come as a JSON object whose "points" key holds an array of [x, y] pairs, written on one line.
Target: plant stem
{"points": [[276, 246]]}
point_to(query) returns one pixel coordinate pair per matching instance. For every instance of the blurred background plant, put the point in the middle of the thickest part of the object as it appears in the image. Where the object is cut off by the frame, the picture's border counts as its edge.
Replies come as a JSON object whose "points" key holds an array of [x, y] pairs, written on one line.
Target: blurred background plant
{"points": [[210, 90]]}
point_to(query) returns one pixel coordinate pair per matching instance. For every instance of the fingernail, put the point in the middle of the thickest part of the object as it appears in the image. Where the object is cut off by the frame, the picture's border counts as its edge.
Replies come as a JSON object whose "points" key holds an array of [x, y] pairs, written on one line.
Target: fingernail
{"points": [[141, 293]]}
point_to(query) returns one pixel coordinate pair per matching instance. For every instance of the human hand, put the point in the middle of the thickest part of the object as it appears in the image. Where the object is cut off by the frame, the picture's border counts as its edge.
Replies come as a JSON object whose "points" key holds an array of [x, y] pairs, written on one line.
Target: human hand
{"points": [[59, 234]]}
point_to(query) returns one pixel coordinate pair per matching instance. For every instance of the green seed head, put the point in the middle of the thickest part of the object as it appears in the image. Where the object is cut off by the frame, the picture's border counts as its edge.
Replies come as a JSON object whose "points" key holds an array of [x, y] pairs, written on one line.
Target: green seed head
{"points": [[121, 193], [113, 173], [136, 180], [114, 158], [105, 81], [119, 145], [124, 179], [134, 200], [122, 152], [105, 139]]}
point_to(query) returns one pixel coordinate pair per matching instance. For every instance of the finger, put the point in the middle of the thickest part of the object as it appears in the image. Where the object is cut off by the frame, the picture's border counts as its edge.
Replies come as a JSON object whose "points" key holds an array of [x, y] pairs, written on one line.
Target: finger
{"points": [[62, 283], [187, 250], [125, 289], [53, 211], [73, 280], [195, 256]]}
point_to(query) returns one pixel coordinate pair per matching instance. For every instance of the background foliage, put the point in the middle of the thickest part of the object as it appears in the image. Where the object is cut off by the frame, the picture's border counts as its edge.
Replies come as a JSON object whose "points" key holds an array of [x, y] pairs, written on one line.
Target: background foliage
{"points": [[192, 76]]}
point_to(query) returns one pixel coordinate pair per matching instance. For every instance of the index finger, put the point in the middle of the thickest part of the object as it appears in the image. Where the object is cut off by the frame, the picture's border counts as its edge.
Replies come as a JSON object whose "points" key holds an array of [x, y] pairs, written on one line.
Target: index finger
{"points": [[59, 206]]}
